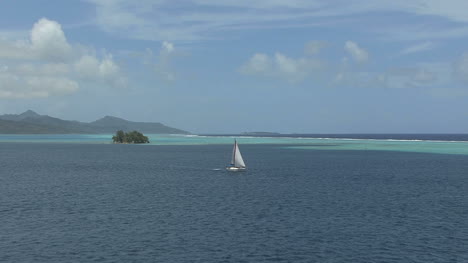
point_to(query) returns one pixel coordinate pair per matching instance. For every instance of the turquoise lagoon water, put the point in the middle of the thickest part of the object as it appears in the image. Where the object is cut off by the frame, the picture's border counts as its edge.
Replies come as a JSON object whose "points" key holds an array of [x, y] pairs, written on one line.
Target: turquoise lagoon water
{"points": [[419, 146]]}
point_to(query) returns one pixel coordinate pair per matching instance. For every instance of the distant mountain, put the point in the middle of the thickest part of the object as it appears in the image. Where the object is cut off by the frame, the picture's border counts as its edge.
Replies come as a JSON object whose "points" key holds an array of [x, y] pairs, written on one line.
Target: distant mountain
{"points": [[30, 122], [112, 124], [20, 117], [19, 127]]}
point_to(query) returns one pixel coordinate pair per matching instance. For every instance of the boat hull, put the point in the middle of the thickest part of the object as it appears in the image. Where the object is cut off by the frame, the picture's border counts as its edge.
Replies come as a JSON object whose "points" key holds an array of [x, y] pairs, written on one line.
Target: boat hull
{"points": [[235, 169]]}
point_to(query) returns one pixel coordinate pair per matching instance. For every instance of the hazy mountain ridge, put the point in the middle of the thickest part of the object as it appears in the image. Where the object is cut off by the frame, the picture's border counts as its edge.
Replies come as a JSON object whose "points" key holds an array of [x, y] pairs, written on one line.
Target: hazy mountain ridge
{"points": [[30, 122], [20, 127], [19, 117]]}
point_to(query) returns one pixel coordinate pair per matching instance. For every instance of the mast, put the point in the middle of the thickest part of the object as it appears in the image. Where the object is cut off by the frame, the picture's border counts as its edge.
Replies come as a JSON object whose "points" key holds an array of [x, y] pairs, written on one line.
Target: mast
{"points": [[233, 159], [235, 150]]}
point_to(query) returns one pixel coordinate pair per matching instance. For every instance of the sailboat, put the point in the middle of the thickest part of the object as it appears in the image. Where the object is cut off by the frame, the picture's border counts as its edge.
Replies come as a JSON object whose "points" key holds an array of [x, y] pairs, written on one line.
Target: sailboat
{"points": [[237, 163]]}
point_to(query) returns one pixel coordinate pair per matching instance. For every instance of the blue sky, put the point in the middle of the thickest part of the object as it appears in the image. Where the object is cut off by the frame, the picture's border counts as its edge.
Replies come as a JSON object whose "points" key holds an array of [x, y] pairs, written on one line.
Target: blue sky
{"points": [[214, 66]]}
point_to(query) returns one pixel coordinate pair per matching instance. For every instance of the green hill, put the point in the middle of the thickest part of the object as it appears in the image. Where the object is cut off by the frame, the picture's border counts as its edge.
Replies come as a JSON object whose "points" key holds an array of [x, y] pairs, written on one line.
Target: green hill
{"points": [[30, 122]]}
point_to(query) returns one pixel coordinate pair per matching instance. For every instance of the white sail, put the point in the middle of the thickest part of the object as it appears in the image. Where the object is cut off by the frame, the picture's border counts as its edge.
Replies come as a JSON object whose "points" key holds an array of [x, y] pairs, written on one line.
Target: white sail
{"points": [[233, 158], [237, 160]]}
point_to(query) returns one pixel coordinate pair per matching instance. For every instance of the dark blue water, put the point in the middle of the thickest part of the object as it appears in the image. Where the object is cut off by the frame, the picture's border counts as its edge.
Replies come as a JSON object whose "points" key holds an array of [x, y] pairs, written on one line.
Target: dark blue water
{"points": [[135, 203]]}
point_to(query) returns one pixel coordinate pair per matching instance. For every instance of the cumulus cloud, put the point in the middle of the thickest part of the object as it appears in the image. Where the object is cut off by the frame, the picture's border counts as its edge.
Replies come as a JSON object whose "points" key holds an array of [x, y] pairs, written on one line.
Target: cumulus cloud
{"points": [[47, 64], [106, 70], [89, 67], [280, 65], [359, 54], [295, 68], [15, 50], [32, 80], [48, 69], [14, 85], [48, 41], [57, 85], [167, 47], [259, 63]]}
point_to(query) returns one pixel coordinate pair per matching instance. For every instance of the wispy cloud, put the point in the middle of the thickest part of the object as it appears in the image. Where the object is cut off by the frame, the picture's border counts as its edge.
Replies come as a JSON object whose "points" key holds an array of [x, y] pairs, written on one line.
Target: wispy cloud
{"points": [[160, 62], [195, 20], [359, 54], [426, 76], [421, 47]]}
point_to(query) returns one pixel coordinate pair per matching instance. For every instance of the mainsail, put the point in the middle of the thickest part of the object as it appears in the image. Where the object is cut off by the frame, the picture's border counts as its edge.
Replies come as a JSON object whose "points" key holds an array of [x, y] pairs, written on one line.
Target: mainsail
{"points": [[237, 160]]}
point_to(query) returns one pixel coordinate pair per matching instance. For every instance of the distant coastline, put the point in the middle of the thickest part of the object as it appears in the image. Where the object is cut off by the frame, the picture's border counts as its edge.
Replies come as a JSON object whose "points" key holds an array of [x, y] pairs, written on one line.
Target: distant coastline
{"points": [[460, 137], [30, 122], [261, 133]]}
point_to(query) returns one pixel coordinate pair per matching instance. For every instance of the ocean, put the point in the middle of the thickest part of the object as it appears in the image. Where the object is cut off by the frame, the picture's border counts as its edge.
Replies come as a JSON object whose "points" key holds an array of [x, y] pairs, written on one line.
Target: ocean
{"points": [[79, 198]]}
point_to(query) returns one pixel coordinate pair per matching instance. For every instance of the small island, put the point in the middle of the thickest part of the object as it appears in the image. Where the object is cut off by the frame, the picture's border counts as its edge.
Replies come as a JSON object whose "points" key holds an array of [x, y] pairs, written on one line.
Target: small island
{"points": [[129, 137]]}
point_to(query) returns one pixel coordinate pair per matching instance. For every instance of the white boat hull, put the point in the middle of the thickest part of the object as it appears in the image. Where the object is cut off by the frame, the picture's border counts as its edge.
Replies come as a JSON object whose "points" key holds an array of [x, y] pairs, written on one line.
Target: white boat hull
{"points": [[235, 169]]}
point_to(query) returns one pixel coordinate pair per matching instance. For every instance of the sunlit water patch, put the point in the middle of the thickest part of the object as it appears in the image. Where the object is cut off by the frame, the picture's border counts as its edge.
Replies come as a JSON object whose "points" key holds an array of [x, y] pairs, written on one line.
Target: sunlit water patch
{"points": [[386, 145]]}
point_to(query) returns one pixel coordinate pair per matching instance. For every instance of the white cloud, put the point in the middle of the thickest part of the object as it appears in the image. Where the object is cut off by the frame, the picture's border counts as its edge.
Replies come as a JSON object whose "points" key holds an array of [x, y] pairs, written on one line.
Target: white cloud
{"points": [[32, 80], [87, 67], [421, 47], [258, 63], [281, 66], [49, 41], [20, 86], [90, 68], [55, 85], [293, 69], [55, 69], [359, 54], [47, 69], [15, 50], [47, 65], [107, 68], [167, 47]]}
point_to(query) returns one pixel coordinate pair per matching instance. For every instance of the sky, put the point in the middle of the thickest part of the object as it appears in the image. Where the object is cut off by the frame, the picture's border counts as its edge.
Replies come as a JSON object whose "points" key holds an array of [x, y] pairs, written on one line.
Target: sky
{"points": [[229, 66]]}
